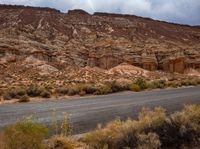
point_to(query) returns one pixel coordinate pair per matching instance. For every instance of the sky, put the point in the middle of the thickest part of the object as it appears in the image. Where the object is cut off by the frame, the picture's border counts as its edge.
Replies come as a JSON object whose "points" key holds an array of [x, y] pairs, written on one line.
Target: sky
{"points": [[177, 11]]}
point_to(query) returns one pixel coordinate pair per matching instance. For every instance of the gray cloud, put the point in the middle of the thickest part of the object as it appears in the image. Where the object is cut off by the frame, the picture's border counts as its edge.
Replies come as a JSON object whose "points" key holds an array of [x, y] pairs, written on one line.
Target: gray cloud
{"points": [[179, 11]]}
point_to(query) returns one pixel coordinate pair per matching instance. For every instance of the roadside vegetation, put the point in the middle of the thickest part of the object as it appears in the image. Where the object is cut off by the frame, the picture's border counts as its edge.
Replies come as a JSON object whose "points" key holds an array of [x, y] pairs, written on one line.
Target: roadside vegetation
{"points": [[153, 129], [24, 93]]}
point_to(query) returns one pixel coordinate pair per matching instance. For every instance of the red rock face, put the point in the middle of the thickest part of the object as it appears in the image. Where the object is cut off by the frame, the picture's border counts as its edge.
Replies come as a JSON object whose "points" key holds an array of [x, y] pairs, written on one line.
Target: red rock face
{"points": [[99, 40]]}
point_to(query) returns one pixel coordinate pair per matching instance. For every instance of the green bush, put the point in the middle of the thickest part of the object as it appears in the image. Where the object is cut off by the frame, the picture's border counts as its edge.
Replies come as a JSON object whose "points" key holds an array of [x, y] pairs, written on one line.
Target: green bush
{"points": [[24, 135], [141, 83], [24, 98]]}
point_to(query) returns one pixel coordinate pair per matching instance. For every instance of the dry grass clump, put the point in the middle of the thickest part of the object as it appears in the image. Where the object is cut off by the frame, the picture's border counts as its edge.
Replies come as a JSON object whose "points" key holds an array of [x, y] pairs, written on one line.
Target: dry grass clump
{"points": [[152, 130], [62, 142]]}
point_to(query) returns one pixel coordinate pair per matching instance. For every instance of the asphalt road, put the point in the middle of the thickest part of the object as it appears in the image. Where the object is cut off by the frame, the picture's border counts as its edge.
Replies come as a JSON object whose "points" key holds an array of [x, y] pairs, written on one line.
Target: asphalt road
{"points": [[87, 112]]}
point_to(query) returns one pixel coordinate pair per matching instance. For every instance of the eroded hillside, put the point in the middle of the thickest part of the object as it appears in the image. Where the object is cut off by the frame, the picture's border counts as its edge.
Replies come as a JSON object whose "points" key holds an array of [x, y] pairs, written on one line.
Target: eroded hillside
{"points": [[39, 44]]}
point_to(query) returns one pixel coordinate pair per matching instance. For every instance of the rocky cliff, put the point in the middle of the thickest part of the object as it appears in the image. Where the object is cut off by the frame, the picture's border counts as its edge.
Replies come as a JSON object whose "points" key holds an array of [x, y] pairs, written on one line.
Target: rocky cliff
{"points": [[102, 40]]}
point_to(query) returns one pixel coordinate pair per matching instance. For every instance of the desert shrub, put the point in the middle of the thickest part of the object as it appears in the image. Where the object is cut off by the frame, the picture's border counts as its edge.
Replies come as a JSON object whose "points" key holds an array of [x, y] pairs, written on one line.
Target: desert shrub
{"points": [[157, 84], [150, 119], [173, 78], [134, 87], [188, 122], [6, 96], [61, 142], [148, 141], [174, 84], [24, 98], [73, 91], [82, 93], [14, 93], [198, 81], [20, 92], [141, 83], [189, 81], [34, 91], [1, 92], [104, 89], [79, 89], [90, 90], [193, 82], [24, 135], [116, 87], [111, 87], [62, 90], [128, 134], [45, 94], [185, 82], [181, 128], [1, 139], [119, 135], [86, 89], [104, 138]]}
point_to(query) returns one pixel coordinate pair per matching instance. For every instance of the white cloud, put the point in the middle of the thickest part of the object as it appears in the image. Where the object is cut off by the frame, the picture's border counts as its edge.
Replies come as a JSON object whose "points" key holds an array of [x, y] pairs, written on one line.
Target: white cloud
{"points": [[180, 11]]}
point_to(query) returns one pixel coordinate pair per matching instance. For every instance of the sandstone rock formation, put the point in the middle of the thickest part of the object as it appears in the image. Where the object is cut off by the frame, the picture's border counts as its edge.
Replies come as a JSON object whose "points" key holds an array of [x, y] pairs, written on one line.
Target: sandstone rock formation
{"points": [[102, 40]]}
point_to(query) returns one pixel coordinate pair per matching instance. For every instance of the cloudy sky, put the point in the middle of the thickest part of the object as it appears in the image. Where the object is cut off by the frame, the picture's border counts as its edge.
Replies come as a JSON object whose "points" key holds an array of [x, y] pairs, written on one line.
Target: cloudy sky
{"points": [[179, 11]]}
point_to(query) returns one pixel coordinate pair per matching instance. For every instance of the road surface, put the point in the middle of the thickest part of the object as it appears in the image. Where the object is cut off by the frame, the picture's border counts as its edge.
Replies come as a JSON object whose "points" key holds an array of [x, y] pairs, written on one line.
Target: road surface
{"points": [[87, 112]]}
